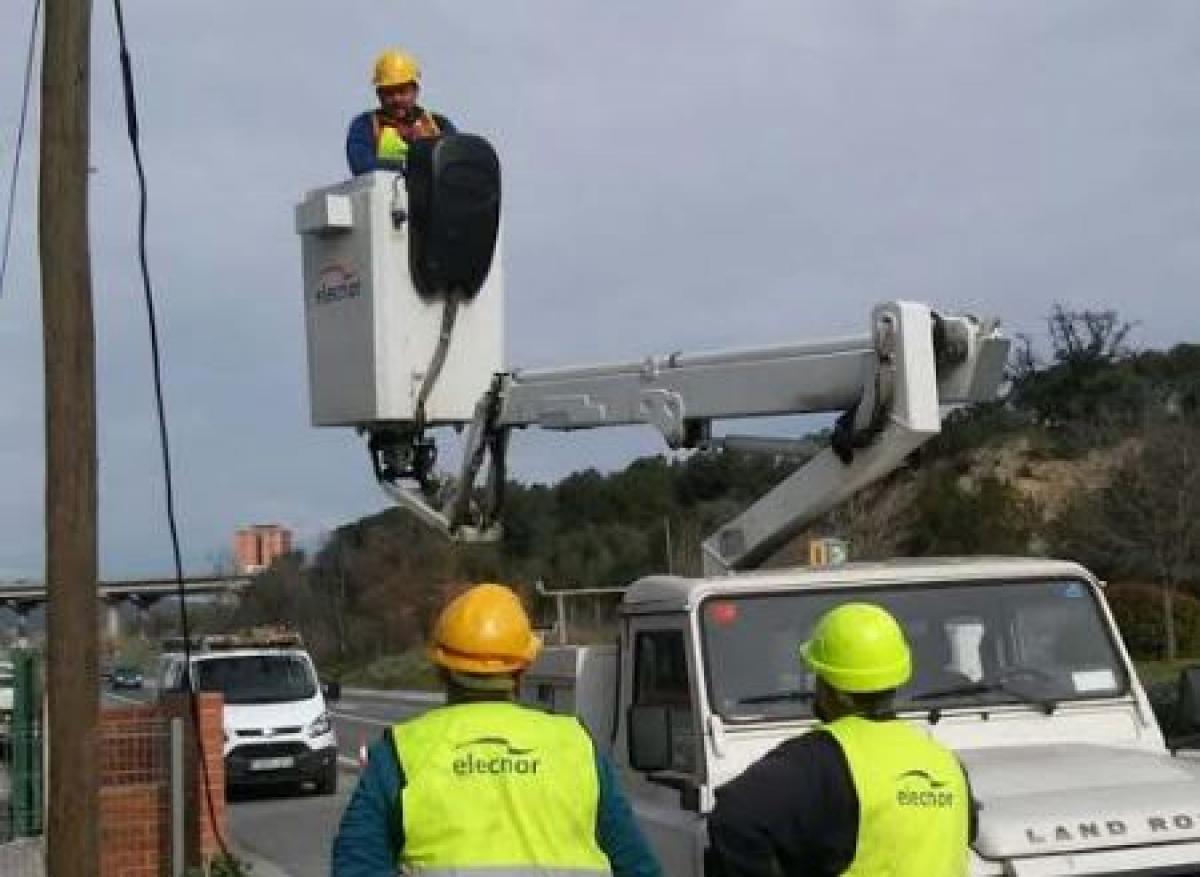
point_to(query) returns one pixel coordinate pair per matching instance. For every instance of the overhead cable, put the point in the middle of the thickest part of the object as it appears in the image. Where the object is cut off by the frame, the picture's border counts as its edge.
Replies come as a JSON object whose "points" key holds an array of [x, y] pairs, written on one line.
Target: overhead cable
{"points": [[19, 141], [131, 120]]}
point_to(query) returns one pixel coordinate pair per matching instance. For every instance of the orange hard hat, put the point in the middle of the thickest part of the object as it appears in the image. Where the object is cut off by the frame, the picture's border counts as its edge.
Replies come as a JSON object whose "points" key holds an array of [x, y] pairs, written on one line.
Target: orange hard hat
{"points": [[484, 630]]}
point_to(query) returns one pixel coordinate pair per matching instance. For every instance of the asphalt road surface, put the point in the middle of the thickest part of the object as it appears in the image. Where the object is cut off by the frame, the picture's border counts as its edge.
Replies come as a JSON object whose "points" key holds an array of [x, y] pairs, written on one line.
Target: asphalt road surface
{"points": [[362, 717], [293, 828]]}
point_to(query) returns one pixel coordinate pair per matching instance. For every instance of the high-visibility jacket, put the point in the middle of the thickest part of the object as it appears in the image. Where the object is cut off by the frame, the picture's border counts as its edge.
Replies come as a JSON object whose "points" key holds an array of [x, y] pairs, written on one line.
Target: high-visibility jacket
{"points": [[913, 801], [496, 789], [392, 140]]}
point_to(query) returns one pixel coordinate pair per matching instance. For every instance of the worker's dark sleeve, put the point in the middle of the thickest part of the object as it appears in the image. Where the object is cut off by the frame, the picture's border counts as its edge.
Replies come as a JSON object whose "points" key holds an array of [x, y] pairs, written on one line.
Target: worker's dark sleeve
{"points": [[360, 147], [617, 832], [370, 837], [794, 811]]}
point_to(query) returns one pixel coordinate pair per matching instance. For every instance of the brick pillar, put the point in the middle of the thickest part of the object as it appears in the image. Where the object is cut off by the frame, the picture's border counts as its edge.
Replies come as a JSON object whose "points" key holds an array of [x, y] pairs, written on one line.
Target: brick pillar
{"points": [[134, 793], [201, 830]]}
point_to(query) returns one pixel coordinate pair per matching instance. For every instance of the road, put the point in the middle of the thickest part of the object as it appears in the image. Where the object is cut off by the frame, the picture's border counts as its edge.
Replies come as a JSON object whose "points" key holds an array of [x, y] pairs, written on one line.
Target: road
{"points": [[293, 829], [361, 717]]}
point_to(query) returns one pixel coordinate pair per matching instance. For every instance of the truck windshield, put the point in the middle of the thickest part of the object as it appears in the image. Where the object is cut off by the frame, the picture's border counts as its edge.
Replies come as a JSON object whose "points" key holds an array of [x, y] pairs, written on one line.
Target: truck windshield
{"points": [[1034, 642], [257, 678]]}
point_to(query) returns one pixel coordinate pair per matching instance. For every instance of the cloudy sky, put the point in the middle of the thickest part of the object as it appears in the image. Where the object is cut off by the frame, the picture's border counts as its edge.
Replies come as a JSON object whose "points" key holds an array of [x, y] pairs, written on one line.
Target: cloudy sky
{"points": [[677, 176]]}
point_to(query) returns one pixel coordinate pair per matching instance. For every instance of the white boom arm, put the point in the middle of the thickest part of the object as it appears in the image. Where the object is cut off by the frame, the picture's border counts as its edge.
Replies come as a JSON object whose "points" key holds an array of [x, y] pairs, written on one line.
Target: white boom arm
{"points": [[890, 386], [915, 370], [404, 314]]}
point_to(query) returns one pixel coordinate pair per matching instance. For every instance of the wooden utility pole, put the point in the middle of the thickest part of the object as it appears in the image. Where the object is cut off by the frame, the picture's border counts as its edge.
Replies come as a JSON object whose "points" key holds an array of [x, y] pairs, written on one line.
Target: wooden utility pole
{"points": [[72, 683]]}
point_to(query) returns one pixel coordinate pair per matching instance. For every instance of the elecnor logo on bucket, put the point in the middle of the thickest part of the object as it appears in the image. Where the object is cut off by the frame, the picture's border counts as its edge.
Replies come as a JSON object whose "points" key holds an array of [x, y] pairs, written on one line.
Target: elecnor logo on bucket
{"points": [[336, 284]]}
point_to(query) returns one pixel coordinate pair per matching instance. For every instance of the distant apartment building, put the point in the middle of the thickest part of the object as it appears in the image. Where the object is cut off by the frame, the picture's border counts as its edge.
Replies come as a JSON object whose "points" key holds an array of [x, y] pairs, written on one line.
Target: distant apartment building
{"points": [[255, 548]]}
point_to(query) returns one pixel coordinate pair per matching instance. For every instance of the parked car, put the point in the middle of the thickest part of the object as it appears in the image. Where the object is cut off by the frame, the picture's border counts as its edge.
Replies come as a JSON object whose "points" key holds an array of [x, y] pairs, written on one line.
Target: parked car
{"points": [[126, 677]]}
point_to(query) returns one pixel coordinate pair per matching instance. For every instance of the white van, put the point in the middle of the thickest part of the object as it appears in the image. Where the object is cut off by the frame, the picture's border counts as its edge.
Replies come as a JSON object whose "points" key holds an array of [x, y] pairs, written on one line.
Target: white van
{"points": [[277, 726]]}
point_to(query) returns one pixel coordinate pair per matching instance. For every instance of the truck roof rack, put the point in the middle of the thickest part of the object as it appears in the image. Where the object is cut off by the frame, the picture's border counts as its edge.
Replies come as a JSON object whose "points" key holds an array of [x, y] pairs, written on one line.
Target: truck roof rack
{"points": [[254, 638]]}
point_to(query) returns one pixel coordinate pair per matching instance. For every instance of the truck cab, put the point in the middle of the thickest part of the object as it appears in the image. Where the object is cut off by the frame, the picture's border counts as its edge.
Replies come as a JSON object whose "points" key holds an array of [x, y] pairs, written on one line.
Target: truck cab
{"points": [[1018, 667]]}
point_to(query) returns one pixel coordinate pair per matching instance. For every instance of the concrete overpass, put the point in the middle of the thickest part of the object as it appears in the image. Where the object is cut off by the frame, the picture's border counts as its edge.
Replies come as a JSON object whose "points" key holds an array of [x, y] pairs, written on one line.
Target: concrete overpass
{"points": [[22, 597]]}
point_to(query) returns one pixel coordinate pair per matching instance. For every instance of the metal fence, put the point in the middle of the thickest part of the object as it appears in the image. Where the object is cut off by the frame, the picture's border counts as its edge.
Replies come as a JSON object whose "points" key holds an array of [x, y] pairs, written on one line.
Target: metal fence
{"points": [[21, 763], [140, 762], [21, 783]]}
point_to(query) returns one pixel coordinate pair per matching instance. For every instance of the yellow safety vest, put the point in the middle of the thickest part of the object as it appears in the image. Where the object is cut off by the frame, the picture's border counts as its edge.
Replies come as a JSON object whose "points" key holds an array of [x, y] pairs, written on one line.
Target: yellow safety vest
{"points": [[390, 144], [498, 790], [912, 800]]}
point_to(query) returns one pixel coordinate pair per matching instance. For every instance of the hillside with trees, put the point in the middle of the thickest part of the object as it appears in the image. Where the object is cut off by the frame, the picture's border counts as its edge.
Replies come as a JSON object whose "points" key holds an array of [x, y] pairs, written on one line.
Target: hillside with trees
{"points": [[1091, 454]]}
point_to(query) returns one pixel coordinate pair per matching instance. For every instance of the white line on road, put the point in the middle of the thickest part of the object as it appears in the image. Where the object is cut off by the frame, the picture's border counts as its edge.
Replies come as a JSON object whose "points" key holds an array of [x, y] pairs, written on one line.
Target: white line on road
{"points": [[125, 699], [408, 696], [362, 720]]}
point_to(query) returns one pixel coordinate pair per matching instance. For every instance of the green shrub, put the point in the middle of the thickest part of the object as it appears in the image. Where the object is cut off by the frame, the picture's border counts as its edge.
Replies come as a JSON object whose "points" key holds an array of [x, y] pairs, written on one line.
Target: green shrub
{"points": [[973, 427], [408, 670], [989, 517], [1139, 614]]}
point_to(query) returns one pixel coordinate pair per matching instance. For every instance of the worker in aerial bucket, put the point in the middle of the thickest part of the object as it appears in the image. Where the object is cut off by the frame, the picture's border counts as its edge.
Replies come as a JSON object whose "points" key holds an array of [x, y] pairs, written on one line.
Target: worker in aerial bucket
{"points": [[380, 139], [483, 785], [865, 793]]}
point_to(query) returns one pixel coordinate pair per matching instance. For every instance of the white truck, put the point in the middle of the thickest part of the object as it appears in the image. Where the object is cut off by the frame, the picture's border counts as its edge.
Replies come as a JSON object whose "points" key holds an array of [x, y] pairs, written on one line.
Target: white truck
{"points": [[1020, 667]]}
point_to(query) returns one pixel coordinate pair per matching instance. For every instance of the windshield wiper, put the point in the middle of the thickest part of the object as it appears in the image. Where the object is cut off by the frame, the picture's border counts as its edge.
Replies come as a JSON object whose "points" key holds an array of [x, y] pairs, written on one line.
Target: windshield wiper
{"points": [[791, 694], [1048, 705]]}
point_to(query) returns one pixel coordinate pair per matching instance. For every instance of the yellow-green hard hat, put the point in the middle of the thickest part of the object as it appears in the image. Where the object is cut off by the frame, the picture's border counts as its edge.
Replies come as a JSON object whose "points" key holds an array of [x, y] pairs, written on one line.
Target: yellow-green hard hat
{"points": [[859, 648]]}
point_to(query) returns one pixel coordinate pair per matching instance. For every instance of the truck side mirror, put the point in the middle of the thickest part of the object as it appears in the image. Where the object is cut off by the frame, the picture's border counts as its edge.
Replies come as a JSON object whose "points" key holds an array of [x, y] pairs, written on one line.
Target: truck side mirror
{"points": [[1184, 732], [649, 738], [332, 691]]}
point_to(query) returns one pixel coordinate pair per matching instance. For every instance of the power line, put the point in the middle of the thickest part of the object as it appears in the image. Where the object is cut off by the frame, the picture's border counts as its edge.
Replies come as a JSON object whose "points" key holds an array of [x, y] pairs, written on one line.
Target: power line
{"points": [[16, 169], [131, 121]]}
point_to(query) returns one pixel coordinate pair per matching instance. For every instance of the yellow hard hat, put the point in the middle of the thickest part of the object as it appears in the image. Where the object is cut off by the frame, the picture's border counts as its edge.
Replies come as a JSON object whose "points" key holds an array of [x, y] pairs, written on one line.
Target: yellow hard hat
{"points": [[859, 648], [484, 630], [395, 67]]}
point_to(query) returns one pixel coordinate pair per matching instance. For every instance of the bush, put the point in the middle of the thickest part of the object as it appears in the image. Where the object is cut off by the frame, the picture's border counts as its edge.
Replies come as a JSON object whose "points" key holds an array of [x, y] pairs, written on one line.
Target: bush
{"points": [[1138, 610], [989, 517], [409, 670], [976, 426]]}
